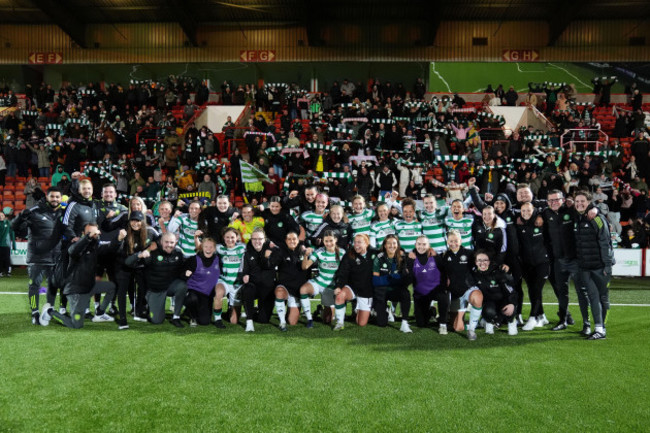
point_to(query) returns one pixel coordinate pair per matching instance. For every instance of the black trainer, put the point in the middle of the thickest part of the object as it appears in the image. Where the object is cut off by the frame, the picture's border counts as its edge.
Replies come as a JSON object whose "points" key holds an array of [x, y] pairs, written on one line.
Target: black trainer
{"points": [[569, 319], [36, 320], [559, 327], [597, 336], [219, 324], [177, 323], [89, 315]]}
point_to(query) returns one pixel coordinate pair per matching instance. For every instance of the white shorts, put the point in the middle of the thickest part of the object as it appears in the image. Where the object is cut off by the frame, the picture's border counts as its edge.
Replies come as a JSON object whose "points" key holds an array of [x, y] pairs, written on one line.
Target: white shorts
{"points": [[232, 293], [364, 304], [318, 289], [464, 300]]}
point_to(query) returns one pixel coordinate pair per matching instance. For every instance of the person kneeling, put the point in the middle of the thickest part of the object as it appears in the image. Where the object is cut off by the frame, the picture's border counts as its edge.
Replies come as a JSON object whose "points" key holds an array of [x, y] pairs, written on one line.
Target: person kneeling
{"points": [[163, 270], [81, 285], [499, 298]]}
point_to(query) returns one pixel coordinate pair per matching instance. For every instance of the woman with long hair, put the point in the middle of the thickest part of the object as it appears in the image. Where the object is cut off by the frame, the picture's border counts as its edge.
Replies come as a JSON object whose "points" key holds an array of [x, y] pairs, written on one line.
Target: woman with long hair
{"points": [[390, 279], [327, 260], [353, 281], [139, 236]]}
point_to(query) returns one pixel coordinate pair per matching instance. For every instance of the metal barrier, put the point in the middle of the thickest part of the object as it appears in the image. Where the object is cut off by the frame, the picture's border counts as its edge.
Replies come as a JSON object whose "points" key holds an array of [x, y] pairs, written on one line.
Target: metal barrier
{"points": [[583, 138]]}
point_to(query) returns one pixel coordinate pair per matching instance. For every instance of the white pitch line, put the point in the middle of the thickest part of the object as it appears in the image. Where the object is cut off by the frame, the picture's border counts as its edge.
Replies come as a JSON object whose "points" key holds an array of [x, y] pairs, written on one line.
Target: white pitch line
{"points": [[433, 68], [317, 300], [569, 73], [531, 72]]}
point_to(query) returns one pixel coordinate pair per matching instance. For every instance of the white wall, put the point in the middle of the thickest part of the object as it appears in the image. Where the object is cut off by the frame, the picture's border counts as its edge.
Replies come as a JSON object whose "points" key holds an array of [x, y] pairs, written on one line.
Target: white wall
{"points": [[214, 117]]}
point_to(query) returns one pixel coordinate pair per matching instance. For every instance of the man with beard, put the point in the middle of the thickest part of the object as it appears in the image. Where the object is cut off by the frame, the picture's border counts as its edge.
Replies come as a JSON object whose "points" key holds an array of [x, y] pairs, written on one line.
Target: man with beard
{"points": [[43, 226]]}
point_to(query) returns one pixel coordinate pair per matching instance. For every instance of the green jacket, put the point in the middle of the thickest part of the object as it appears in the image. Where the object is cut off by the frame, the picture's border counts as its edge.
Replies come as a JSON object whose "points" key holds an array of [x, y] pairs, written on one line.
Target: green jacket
{"points": [[7, 236]]}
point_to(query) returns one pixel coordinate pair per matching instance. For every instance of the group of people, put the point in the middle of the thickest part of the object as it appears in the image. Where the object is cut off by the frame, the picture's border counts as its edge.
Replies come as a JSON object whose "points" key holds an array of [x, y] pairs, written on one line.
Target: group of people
{"points": [[463, 256]]}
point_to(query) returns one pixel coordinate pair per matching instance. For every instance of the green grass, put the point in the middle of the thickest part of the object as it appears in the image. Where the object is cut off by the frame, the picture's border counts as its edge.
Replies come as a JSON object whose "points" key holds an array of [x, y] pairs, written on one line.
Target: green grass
{"points": [[463, 76], [158, 378]]}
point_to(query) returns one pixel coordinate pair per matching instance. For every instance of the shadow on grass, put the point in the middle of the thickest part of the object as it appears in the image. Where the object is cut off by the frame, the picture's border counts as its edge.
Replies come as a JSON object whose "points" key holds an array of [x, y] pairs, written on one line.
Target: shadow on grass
{"points": [[381, 339]]}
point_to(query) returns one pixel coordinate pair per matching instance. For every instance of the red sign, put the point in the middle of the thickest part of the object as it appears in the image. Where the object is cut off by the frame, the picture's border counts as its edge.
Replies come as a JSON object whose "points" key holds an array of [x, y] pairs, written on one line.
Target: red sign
{"points": [[45, 58], [257, 56], [520, 55]]}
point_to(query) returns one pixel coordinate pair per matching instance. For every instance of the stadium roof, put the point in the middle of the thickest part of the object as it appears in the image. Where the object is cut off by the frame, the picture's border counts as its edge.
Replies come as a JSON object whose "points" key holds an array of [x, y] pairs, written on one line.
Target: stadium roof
{"points": [[73, 15]]}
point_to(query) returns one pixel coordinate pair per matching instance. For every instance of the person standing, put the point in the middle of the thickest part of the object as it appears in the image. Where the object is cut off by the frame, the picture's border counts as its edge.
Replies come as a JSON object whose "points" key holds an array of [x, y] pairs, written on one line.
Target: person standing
{"points": [[534, 264], [560, 244], [595, 261], [42, 226], [7, 243]]}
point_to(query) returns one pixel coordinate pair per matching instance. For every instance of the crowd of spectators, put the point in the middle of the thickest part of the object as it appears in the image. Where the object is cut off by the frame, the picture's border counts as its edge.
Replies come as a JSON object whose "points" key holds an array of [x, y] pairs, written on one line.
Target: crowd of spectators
{"points": [[355, 138]]}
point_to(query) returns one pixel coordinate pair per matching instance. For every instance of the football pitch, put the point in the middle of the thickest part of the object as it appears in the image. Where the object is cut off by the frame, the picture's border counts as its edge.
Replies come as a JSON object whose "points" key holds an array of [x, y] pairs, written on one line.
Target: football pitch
{"points": [[160, 379], [468, 77]]}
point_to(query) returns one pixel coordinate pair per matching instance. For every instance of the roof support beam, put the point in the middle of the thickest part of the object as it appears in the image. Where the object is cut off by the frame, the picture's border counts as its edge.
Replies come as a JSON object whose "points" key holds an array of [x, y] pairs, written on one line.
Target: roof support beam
{"points": [[185, 20], [565, 13], [429, 29], [65, 17]]}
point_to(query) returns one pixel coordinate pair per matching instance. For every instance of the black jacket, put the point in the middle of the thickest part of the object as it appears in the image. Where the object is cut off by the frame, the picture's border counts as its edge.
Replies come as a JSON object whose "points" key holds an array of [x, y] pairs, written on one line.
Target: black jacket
{"points": [[43, 226], [593, 243], [212, 221], [290, 272], [343, 232], [277, 226], [495, 285], [78, 213], [161, 268], [123, 254], [456, 267], [492, 240], [508, 216], [356, 271], [83, 260], [260, 269], [532, 247], [559, 232]]}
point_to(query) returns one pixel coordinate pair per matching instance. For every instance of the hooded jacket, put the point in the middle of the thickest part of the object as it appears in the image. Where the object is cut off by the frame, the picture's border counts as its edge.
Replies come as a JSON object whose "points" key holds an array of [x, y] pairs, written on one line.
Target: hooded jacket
{"points": [[56, 177], [342, 229], [43, 226], [260, 269]]}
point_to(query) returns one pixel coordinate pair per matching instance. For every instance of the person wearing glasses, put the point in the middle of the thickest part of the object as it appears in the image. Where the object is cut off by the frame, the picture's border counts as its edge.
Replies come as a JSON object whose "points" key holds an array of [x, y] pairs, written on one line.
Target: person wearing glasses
{"points": [[497, 296], [258, 276], [561, 246]]}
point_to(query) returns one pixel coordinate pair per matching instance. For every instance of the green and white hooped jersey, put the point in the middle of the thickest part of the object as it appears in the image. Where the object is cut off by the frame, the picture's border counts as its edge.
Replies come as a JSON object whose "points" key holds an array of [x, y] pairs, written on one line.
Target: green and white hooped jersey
{"points": [[378, 232], [186, 230], [327, 266], [310, 220], [433, 226], [231, 262], [464, 227], [408, 233], [361, 222]]}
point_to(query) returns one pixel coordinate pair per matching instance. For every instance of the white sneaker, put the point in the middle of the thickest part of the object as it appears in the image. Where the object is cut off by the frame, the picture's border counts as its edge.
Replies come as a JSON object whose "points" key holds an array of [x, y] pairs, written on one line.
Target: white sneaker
{"points": [[489, 328], [249, 326], [530, 324], [482, 323], [391, 317], [45, 315], [103, 318], [243, 315], [61, 310], [542, 321], [405, 328], [442, 330], [512, 328], [193, 323]]}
